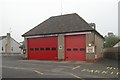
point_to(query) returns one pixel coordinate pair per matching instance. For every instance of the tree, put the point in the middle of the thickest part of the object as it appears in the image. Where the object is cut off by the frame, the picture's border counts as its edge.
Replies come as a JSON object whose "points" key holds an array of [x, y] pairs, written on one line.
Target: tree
{"points": [[110, 40]]}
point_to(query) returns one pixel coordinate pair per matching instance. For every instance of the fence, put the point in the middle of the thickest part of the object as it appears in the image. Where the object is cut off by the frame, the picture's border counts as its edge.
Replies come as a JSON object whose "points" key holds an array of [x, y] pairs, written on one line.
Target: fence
{"points": [[112, 53]]}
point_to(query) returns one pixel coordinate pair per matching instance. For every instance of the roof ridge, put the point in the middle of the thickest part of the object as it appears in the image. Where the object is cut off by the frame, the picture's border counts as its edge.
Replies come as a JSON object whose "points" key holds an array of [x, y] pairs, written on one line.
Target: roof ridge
{"points": [[64, 15], [2, 37]]}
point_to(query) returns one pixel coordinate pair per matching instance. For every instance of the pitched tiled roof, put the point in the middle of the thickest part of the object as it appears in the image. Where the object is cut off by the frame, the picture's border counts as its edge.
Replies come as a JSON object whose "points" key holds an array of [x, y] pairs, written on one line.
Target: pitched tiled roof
{"points": [[60, 24], [118, 42], [2, 37]]}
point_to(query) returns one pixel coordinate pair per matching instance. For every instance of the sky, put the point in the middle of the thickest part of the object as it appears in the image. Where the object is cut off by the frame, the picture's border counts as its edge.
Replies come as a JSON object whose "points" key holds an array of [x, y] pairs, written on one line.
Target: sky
{"points": [[19, 16]]}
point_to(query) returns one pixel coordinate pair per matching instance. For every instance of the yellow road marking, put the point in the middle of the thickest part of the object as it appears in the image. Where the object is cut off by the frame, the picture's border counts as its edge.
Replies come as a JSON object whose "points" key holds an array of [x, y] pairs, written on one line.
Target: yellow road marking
{"points": [[38, 72], [90, 70], [104, 72], [117, 73], [83, 70], [75, 67], [111, 73], [97, 71], [109, 68]]}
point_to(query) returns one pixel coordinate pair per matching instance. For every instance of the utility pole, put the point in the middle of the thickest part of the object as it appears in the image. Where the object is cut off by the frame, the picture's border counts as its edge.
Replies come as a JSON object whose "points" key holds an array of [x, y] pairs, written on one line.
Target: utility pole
{"points": [[61, 7], [10, 30]]}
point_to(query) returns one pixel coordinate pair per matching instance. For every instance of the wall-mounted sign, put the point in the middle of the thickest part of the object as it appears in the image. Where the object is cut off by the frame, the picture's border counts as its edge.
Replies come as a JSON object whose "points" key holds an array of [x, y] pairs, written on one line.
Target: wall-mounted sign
{"points": [[90, 49], [95, 56], [60, 47]]}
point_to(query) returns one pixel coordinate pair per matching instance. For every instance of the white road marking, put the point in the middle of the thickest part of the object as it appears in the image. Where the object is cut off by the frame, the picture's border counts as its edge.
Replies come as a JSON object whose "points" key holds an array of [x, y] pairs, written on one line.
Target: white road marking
{"points": [[76, 76], [21, 69], [13, 67], [75, 67], [24, 69], [65, 66], [84, 70], [38, 72], [63, 62]]}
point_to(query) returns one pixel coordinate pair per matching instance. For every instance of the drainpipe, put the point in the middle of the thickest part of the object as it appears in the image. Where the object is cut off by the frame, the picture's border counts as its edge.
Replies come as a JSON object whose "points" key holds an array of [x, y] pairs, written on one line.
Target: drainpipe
{"points": [[94, 27]]}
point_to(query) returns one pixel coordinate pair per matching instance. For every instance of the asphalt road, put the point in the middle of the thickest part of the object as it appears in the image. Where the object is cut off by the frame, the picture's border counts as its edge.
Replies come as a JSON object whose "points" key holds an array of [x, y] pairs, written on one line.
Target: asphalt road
{"points": [[15, 67]]}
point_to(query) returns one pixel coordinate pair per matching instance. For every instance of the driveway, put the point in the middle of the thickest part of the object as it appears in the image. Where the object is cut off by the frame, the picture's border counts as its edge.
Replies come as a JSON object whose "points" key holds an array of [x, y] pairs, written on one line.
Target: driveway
{"points": [[14, 67]]}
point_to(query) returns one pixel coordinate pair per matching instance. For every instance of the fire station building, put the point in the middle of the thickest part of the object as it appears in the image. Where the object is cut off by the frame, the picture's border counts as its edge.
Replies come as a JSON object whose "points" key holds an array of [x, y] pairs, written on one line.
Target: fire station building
{"points": [[65, 37]]}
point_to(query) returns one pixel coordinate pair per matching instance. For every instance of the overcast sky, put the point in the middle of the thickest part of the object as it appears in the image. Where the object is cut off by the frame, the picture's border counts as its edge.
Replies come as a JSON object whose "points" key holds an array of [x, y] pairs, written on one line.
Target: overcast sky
{"points": [[23, 15]]}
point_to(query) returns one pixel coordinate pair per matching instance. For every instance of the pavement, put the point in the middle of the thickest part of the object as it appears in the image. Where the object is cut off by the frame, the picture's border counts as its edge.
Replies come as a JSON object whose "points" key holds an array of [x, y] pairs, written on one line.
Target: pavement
{"points": [[16, 67]]}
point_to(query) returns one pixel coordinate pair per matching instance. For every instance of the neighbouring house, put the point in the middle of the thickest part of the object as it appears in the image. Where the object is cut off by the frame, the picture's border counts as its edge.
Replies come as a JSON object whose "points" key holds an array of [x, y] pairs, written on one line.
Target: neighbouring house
{"points": [[9, 45], [65, 37], [117, 44]]}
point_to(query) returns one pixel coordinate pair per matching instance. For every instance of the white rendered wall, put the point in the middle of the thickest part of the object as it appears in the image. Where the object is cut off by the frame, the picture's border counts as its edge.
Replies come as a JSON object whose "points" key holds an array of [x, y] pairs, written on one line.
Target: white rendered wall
{"points": [[15, 46], [2, 44]]}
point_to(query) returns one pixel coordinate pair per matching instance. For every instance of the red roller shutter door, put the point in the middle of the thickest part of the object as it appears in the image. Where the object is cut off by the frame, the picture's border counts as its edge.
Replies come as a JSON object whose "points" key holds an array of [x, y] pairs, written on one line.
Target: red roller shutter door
{"points": [[44, 48], [75, 47]]}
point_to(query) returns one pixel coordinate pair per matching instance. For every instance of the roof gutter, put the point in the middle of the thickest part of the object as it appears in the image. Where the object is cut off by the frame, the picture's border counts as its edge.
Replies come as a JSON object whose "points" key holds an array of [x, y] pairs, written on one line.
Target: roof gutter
{"points": [[49, 35]]}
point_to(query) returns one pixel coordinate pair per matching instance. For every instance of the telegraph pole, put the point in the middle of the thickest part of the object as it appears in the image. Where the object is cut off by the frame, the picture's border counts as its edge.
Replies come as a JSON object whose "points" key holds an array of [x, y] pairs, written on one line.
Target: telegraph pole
{"points": [[10, 30], [61, 7]]}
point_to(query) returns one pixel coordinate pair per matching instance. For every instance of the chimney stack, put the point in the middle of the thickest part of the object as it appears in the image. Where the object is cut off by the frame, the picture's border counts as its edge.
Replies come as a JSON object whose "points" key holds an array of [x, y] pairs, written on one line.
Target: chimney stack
{"points": [[8, 34], [110, 34], [92, 25], [8, 45]]}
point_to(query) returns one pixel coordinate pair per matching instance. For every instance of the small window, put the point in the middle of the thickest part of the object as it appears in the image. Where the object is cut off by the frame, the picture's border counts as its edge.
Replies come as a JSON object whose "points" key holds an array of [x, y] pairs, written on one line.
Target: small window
{"points": [[68, 49], [82, 49], [31, 49], [53, 49], [41, 49], [2, 49], [47, 49], [75, 49], [12, 49], [36, 49]]}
